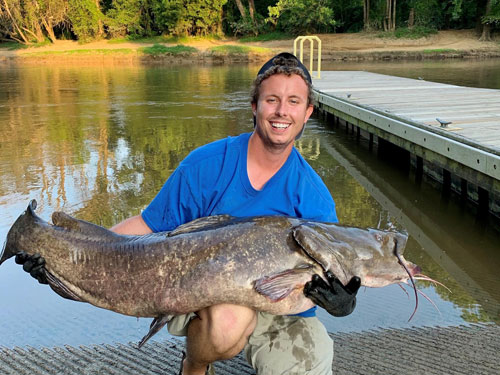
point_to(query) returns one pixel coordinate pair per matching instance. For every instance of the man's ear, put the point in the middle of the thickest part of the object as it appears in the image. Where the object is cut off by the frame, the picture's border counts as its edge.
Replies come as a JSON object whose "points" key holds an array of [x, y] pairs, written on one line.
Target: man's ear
{"points": [[309, 112], [254, 109]]}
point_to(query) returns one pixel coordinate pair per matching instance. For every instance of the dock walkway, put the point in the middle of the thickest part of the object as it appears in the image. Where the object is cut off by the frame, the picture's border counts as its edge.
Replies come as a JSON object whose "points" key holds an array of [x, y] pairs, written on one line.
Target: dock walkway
{"points": [[458, 350], [404, 112]]}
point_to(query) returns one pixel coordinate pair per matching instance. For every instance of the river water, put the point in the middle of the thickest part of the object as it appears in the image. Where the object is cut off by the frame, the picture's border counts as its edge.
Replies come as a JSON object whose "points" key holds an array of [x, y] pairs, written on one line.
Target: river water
{"points": [[98, 143]]}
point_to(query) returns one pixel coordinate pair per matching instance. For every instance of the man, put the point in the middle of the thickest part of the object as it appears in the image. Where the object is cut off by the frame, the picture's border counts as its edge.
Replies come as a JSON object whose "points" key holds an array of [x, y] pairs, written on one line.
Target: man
{"points": [[260, 173]]}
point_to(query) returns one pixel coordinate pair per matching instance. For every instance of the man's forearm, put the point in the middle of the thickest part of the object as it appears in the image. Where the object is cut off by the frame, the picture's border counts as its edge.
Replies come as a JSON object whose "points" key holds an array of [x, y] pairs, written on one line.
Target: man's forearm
{"points": [[133, 225]]}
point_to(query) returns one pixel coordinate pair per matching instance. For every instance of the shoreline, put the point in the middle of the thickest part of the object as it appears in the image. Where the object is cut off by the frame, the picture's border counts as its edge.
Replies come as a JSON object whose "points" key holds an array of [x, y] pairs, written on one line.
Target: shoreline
{"points": [[449, 44], [96, 58]]}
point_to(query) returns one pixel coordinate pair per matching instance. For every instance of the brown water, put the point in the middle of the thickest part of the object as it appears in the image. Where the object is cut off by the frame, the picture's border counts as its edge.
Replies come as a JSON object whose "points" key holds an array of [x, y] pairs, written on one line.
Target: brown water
{"points": [[98, 142]]}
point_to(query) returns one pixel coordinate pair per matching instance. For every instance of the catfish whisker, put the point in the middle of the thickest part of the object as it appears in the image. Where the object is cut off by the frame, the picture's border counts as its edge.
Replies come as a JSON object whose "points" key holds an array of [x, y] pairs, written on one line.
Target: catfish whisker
{"points": [[432, 302], [427, 278], [404, 290], [409, 275]]}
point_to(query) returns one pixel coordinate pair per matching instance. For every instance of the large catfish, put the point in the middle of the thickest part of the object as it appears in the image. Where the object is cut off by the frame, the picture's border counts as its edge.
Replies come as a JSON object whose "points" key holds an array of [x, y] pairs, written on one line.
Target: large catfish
{"points": [[259, 262]]}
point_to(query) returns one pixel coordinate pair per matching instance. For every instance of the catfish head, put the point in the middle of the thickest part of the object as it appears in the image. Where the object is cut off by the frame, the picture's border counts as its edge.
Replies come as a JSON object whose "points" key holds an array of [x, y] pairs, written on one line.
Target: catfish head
{"points": [[373, 255]]}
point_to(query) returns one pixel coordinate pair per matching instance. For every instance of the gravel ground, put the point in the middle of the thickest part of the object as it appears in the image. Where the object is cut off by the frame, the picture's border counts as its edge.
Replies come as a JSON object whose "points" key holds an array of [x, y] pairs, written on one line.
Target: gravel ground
{"points": [[445, 351]]}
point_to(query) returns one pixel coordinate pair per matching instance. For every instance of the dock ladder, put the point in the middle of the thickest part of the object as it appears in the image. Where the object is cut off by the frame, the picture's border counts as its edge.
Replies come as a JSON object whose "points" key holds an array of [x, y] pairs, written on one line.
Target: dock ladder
{"points": [[311, 40]]}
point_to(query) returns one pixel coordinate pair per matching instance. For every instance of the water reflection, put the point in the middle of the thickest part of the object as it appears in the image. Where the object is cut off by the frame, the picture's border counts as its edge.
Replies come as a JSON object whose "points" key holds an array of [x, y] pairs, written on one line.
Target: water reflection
{"points": [[99, 142]]}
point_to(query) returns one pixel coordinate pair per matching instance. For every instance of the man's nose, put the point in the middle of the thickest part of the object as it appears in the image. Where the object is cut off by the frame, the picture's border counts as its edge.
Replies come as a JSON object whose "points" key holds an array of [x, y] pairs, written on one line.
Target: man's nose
{"points": [[281, 109]]}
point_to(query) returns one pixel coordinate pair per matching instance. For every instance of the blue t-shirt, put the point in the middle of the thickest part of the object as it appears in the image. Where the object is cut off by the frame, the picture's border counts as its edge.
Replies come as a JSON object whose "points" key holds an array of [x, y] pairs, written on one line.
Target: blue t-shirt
{"points": [[213, 180]]}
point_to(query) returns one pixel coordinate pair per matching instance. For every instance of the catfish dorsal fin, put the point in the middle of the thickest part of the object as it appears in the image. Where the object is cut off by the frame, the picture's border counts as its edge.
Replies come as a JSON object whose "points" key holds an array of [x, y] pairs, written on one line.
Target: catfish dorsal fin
{"points": [[203, 223], [60, 219]]}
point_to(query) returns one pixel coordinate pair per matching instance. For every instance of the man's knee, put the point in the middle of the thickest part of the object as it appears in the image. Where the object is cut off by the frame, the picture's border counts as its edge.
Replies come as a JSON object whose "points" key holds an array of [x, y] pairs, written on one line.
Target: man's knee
{"points": [[227, 327]]}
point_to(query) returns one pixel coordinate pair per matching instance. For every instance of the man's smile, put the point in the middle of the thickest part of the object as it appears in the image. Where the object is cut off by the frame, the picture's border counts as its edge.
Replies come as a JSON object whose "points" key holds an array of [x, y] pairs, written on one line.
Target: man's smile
{"points": [[280, 125]]}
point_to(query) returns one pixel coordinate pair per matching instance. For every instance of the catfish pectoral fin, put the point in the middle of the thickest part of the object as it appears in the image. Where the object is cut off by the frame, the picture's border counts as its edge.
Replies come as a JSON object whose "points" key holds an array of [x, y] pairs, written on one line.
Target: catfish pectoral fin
{"points": [[157, 324], [61, 289], [280, 285]]}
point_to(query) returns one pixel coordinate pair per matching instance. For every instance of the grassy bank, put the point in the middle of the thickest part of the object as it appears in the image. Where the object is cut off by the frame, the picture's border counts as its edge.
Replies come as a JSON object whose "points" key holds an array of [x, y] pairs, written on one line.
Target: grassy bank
{"points": [[403, 44]]}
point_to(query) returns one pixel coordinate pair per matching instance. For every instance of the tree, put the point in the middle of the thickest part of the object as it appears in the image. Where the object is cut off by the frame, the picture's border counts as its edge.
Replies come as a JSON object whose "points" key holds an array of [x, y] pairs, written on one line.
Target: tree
{"points": [[366, 15], [390, 15], [426, 13], [29, 21], [11, 21], [301, 16], [51, 13], [350, 16], [86, 19], [491, 18], [183, 17], [126, 17]]}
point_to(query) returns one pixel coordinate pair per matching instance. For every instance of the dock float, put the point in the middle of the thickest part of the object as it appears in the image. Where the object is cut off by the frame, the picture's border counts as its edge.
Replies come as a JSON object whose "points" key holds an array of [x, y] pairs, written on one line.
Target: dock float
{"points": [[457, 350], [449, 132]]}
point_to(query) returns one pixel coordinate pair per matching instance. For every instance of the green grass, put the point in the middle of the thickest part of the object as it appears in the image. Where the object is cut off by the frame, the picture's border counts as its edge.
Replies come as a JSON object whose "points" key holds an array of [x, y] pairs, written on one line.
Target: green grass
{"points": [[439, 50], [160, 49], [416, 32], [13, 46], [84, 52], [266, 37], [162, 39], [238, 50]]}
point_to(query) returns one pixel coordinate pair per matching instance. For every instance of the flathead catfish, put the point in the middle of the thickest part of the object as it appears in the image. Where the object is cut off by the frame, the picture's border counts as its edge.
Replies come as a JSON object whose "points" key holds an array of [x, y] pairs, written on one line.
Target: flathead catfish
{"points": [[260, 262]]}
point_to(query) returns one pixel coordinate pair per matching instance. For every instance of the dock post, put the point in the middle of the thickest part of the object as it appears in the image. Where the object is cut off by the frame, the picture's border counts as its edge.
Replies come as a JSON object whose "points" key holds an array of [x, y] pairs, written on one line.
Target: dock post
{"points": [[463, 189], [483, 200], [419, 173], [446, 182]]}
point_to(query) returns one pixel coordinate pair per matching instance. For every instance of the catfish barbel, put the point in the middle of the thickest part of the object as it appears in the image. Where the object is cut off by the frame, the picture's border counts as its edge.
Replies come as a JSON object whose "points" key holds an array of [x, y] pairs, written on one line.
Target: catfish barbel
{"points": [[259, 262]]}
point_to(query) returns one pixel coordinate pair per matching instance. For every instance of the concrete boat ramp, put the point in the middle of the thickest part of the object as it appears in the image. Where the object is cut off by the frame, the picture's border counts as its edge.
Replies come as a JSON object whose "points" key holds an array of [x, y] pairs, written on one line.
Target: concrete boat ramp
{"points": [[472, 349]]}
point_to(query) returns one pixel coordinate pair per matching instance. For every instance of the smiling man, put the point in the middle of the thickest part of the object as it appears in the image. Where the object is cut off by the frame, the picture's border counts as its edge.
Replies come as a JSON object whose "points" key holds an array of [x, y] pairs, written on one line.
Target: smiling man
{"points": [[253, 174], [258, 173]]}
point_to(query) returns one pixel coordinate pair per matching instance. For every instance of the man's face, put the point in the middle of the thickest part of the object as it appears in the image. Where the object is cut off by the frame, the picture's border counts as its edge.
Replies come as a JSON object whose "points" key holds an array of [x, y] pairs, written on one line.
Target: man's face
{"points": [[281, 110]]}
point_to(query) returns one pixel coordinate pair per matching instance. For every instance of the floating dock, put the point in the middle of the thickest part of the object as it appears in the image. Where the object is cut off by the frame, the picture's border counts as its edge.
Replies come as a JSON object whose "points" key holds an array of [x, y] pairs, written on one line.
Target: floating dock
{"points": [[449, 132], [458, 350]]}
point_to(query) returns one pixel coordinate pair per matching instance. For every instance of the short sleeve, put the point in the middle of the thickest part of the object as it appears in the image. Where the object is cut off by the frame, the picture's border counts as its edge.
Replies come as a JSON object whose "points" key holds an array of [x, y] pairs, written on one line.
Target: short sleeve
{"points": [[175, 204]]}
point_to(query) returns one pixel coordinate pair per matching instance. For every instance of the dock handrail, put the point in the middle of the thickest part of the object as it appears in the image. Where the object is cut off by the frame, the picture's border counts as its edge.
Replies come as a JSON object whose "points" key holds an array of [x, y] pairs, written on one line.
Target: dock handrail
{"points": [[311, 39]]}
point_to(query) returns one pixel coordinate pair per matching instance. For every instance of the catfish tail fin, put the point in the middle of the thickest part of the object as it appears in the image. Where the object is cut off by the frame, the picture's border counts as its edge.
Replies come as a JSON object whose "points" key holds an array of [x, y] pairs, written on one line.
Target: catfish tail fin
{"points": [[26, 219]]}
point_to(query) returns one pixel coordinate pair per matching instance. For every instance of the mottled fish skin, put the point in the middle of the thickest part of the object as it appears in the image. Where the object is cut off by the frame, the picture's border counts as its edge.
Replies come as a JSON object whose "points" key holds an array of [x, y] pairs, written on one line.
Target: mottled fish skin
{"points": [[259, 262]]}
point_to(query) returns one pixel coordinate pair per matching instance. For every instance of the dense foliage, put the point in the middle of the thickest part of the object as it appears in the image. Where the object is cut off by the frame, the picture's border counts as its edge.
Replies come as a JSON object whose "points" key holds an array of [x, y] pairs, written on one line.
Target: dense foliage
{"points": [[33, 21]]}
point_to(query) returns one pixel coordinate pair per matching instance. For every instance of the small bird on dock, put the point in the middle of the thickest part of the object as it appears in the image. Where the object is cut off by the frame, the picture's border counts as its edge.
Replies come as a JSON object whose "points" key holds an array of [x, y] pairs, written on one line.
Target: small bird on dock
{"points": [[421, 78], [443, 123], [348, 95]]}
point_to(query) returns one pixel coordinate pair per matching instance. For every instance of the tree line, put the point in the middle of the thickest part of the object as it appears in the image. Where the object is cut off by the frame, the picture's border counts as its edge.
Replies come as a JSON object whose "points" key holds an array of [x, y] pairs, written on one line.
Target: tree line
{"points": [[35, 21]]}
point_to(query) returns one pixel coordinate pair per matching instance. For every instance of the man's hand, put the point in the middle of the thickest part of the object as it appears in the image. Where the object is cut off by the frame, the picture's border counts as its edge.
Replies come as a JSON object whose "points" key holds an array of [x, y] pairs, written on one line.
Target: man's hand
{"points": [[34, 265], [337, 299]]}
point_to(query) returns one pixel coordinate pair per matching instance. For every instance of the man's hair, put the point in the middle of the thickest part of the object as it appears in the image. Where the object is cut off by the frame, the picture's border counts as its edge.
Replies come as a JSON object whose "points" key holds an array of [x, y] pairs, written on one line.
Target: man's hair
{"points": [[281, 65]]}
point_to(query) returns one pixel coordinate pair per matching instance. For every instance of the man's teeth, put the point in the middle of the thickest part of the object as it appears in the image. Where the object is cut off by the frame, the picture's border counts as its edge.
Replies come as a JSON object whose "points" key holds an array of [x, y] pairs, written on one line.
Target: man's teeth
{"points": [[280, 125]]}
